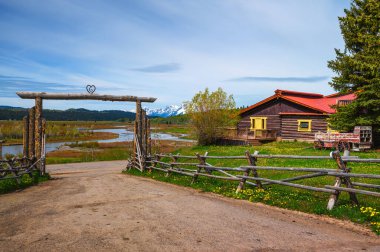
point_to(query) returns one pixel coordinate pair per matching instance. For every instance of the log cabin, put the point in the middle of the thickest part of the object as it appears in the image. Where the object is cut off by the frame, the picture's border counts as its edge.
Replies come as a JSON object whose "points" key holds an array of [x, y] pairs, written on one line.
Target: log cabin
{"points": [[289, 115]]}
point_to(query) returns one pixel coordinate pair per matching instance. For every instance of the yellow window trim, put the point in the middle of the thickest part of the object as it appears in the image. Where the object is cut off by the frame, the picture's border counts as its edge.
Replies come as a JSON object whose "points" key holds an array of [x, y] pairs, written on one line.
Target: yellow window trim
{"points": [[263, 123], [304, 121]]}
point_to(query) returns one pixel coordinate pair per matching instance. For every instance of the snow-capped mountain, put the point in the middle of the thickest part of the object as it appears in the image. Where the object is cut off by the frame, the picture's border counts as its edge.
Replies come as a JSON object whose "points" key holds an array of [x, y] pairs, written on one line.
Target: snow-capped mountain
{"points": [[171, 110]]}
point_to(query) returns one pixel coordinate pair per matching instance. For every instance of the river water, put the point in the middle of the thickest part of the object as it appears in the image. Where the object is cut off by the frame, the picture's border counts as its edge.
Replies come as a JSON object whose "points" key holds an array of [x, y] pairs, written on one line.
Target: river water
{"points": [[124, 135]]}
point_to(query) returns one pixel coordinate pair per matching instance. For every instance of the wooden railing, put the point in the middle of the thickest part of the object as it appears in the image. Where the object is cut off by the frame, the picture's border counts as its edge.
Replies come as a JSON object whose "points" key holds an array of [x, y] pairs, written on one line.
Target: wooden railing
{"points": [[16, 167], [249, 174], [261, 134]]}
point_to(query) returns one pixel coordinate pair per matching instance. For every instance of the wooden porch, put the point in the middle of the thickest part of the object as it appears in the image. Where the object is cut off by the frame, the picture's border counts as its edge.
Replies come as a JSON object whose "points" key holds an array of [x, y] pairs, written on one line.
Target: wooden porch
{"points": [[248, 137]]}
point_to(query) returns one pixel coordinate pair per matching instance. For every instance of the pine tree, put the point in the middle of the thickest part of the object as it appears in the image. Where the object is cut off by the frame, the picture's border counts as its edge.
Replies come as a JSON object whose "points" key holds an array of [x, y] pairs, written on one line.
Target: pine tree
{"points": [[358, 67]]}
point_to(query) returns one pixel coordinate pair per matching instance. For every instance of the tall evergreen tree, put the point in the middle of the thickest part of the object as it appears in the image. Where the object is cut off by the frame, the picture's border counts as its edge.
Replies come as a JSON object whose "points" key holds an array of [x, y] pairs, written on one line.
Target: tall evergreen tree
{"points": [[358, 66]]}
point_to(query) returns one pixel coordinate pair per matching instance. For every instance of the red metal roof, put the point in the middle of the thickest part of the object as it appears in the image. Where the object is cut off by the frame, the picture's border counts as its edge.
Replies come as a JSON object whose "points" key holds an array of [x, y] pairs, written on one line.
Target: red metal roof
{"points": [[314, 101], [301, 113]]}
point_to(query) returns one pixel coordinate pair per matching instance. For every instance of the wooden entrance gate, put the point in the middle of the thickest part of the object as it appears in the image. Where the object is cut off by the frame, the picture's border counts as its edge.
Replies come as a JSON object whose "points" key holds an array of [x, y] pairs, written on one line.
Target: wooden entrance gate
{"points": [[35, 125]]}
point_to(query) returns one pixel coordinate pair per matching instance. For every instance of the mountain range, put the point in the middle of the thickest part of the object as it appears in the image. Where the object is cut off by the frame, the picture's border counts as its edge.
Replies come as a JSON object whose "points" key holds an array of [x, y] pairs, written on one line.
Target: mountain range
{"points": [[168, 111]]}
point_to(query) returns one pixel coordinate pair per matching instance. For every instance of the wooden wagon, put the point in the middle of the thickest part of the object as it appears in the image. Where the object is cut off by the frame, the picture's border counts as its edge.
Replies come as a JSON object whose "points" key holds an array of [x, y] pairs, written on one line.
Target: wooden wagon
{"points": [[359, 140]]}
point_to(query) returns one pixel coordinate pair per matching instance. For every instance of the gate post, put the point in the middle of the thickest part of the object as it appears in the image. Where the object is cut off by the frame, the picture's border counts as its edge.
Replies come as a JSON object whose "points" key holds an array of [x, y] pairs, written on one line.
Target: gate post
{"points": [[38, 131], [1, 149], [31, 133], [134, 154], [143, 138], [149, 140], [139, 130], [25, 136], [43, 146]]}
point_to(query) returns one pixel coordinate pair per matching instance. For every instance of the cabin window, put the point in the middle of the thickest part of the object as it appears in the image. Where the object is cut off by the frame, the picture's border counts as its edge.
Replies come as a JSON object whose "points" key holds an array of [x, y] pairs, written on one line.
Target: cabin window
{"points": [[258, 123], [304, 125]]}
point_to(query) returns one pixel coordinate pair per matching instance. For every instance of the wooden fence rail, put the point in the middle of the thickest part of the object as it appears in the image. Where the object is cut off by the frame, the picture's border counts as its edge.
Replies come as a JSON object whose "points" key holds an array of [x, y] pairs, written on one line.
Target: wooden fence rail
{"points": [[249, 174], [15, 168]]}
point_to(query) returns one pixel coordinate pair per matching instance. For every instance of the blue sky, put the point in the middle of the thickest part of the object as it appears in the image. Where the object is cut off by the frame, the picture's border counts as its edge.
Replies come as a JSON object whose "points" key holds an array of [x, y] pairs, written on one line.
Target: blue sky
{"points": [[169, 49]]}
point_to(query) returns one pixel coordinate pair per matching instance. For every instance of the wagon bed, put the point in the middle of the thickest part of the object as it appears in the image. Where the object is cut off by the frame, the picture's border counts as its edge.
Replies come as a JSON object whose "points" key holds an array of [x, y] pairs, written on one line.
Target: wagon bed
{"points": [[360, 139]]}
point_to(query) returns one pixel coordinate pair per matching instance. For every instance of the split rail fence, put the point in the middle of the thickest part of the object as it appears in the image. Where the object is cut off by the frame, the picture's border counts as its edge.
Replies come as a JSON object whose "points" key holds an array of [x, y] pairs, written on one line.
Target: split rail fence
{"points": [[15, 168], [249, 174], [34, 151]]}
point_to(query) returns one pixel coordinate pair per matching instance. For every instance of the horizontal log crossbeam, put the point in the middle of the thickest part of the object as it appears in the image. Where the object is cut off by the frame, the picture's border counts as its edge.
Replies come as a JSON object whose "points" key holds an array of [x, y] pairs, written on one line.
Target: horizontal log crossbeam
{"points": [[69, 96]]}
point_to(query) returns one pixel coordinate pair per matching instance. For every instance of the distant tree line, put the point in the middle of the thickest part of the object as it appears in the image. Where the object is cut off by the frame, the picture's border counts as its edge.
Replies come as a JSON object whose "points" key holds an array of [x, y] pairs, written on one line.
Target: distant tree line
{"points": [[70, 115], [178, 119]]}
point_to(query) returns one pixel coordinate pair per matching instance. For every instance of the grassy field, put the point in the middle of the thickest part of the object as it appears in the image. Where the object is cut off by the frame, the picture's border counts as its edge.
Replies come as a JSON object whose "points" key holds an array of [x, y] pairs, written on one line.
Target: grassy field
{"points": [[90, 152], [282, 196], [57, 131], [94, 151]]}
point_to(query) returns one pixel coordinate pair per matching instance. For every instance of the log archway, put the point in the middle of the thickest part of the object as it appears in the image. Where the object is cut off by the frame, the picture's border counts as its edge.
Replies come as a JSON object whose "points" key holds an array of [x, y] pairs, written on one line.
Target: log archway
{"points": [[35, 124]]}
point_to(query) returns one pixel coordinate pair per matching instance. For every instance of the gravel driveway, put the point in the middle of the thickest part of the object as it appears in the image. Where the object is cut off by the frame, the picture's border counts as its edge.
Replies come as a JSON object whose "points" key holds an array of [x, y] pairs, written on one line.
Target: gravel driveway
{"points": [[93, 207]]}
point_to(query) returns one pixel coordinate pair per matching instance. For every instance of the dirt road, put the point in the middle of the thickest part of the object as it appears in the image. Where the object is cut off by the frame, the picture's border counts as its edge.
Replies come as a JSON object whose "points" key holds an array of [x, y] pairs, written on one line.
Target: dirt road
{"points": [[92, 207]]}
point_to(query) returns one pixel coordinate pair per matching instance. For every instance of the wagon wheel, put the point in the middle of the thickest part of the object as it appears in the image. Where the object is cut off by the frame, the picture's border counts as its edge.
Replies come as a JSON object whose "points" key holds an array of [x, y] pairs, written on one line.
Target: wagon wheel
{"points": [[318, 144], [342, 146], [347, 146]]}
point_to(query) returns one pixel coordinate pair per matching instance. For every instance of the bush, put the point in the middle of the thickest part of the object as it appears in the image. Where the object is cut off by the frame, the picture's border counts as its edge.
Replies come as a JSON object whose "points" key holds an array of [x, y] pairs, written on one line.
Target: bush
{"points": [[209, 113]]}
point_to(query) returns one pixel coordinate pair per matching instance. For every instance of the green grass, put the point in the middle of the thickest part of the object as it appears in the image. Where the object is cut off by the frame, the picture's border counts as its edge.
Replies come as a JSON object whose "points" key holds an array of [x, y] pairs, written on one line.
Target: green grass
{"points": [[10, 185], [282, 196], [102, 155]]}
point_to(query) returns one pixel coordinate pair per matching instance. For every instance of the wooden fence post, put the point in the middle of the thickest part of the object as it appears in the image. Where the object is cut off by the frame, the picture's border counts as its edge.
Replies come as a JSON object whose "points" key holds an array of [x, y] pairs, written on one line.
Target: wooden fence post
{"points": [[25, 136], [138, 121], [43, 146], [143, 138], [157, 159], [202, 161], [148, 140], [252, 162], [347, 180], [174, 158], [38, 130], [198, 168], [342, 167], [31, 133], [1, 149], [134, 157]]}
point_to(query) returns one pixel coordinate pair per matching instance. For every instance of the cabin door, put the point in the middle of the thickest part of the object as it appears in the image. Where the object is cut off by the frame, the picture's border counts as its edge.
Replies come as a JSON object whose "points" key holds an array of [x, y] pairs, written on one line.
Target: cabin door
{"points": [[258, 123]]}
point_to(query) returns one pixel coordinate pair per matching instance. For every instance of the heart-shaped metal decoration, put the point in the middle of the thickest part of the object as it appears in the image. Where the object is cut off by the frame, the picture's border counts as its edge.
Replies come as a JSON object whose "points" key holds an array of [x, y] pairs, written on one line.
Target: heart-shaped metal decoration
{"points": [[90, 89]]}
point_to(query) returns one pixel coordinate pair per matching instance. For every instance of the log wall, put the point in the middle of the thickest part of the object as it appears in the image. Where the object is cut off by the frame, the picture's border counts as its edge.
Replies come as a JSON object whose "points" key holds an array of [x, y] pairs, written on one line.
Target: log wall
{"points": [[289, 127]]}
